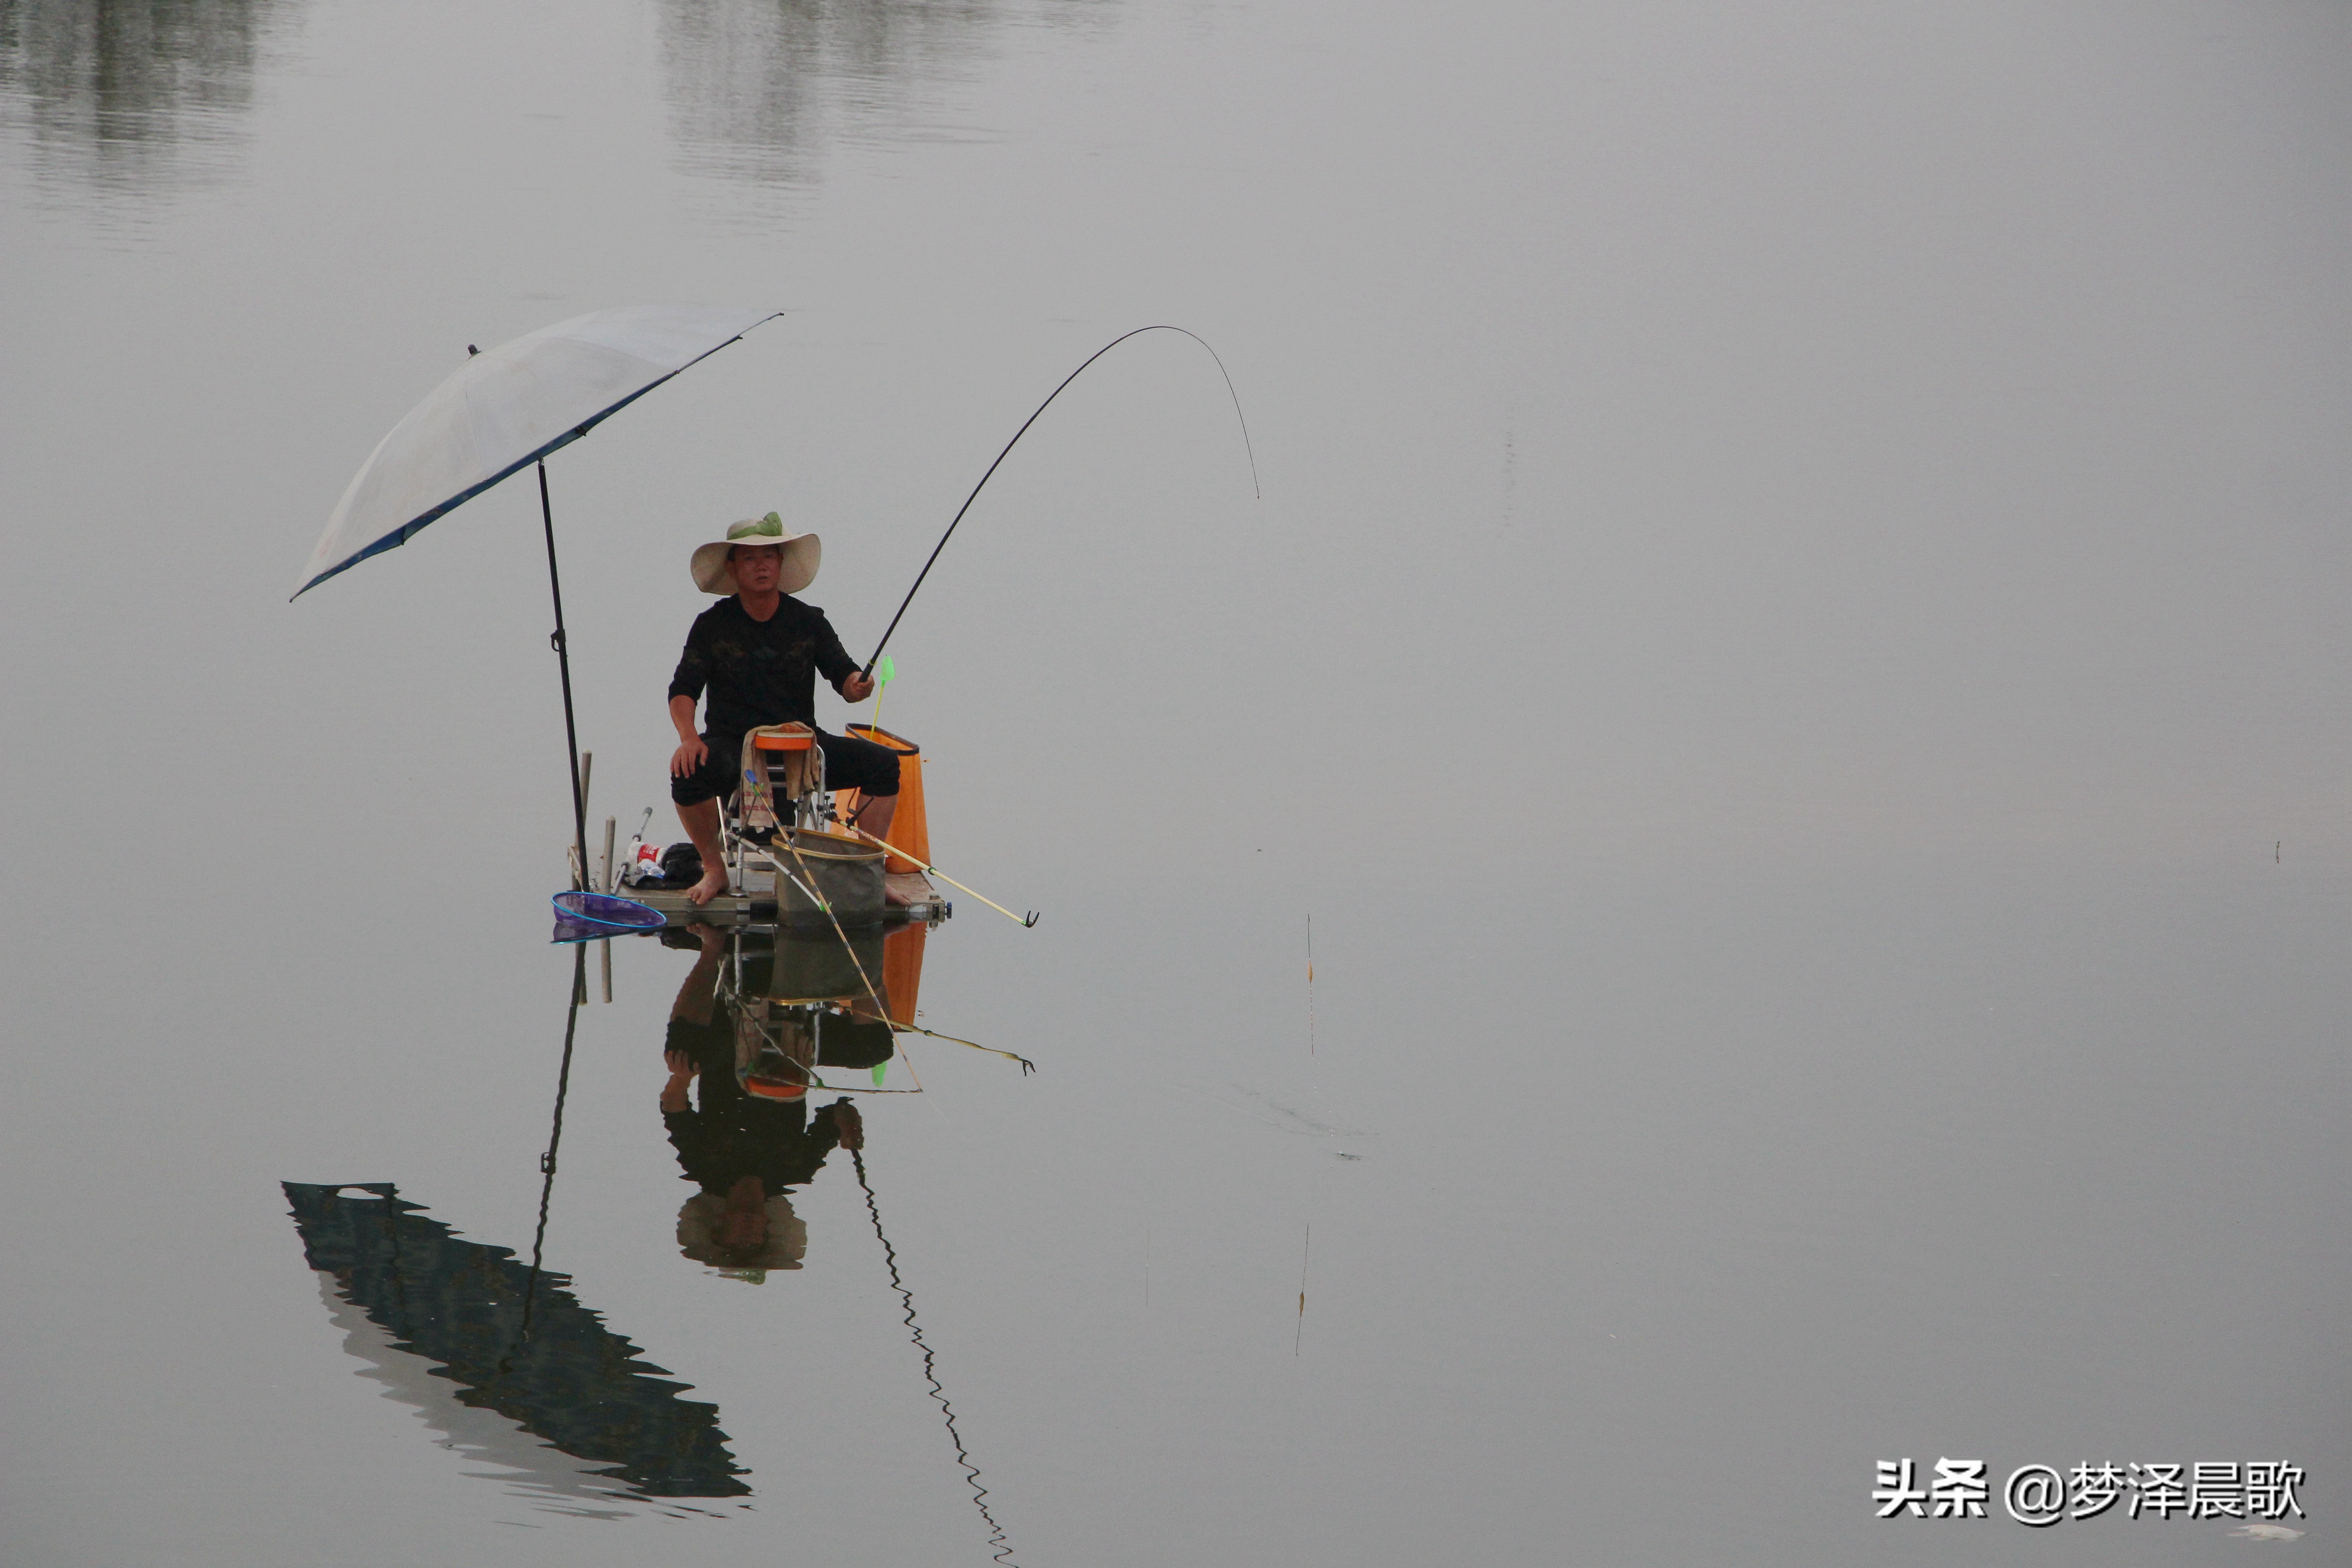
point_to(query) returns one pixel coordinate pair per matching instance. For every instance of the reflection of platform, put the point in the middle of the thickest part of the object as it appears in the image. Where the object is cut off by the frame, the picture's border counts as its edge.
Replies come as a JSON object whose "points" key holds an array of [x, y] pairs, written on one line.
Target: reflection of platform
{"points": [[924, 903]]}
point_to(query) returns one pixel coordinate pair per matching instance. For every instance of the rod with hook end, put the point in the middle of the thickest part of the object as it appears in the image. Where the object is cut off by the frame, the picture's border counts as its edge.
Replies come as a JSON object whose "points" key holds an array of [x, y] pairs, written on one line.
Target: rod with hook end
{"points": [[942, 875]]}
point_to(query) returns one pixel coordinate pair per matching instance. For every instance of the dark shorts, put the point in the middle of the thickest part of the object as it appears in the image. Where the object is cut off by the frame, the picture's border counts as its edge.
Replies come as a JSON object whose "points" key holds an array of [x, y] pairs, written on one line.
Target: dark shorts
{"points": [[849, 763]]}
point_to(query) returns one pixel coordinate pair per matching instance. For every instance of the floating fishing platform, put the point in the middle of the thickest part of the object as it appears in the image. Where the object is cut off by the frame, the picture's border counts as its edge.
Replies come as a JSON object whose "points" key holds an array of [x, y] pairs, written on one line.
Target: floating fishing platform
{"points": [[923, 903], [791, 860]]}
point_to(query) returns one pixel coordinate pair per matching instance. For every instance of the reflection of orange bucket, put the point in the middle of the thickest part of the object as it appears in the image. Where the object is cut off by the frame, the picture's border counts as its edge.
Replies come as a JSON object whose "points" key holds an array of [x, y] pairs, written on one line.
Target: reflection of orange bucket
{"points": [[910, 829], [775, 1076], [902, 970]]}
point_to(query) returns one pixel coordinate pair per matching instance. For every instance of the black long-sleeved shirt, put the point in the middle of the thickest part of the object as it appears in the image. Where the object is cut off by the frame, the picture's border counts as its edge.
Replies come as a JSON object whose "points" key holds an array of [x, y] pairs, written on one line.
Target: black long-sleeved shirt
{"points": [[759, 672], [730, 1134]]}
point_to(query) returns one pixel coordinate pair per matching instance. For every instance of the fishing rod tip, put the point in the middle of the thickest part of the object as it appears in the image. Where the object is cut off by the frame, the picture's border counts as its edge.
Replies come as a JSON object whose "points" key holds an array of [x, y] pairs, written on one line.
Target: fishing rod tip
{"points": [[1030, 921]]}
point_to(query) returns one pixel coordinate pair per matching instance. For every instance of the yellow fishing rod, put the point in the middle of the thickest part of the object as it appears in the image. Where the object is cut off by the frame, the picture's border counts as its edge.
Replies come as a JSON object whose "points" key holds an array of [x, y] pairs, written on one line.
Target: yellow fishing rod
{"points": [[881, 1012], [942, 875]]}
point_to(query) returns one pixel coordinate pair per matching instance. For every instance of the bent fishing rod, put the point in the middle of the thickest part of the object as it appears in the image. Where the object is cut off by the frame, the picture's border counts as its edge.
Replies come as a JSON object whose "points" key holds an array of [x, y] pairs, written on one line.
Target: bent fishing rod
{"points": [[1161, 327]]}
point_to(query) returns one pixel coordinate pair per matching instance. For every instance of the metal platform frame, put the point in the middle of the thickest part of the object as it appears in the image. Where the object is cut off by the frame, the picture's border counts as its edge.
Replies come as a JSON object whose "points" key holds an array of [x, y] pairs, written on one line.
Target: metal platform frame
{"points": [[924, 903]]}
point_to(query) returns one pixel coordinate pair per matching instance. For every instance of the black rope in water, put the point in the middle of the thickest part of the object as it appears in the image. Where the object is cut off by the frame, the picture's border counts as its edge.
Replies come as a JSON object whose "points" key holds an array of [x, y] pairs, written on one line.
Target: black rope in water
{"points": [[555, 1133], [930, 1370], [1246, 446]]}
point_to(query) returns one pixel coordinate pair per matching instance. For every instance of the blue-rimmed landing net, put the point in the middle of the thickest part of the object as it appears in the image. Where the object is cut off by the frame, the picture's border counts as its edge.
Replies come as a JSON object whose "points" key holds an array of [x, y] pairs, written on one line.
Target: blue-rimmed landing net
{"points": [[582, 917]]}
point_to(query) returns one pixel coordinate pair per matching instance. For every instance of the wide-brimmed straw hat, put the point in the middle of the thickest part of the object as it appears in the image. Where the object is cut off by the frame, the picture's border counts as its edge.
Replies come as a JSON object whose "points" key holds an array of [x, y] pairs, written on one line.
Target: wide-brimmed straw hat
{"points": [[700, 1238], [714, 573]]}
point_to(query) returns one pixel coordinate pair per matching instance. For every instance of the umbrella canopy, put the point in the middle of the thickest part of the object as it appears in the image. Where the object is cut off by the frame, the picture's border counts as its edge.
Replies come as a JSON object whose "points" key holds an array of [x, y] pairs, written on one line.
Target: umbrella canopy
{"points": [[507, 408]]}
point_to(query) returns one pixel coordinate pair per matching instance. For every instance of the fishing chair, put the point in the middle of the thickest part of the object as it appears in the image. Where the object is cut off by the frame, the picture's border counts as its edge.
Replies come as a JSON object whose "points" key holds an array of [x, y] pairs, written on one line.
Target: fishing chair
{"points": [[781, 788], [797, 1014]]}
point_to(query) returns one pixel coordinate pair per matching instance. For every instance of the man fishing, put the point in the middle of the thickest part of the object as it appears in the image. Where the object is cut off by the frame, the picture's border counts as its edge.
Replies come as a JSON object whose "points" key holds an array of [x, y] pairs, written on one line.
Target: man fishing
{"points": [[757, 653]]}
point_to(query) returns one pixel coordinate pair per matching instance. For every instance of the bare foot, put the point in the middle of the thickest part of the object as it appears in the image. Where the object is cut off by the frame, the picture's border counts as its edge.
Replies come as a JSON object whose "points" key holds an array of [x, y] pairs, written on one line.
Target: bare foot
{"points": [[713, 883]]}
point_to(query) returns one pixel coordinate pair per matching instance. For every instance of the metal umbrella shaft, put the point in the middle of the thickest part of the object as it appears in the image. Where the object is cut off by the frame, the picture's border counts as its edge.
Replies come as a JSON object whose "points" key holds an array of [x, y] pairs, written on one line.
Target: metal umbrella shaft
{"points": [[563, 667], [555, 1133]]}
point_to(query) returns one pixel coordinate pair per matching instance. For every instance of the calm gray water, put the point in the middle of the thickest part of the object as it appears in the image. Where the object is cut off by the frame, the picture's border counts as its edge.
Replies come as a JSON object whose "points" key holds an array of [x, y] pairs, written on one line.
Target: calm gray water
{"points": [[1792, 652]]}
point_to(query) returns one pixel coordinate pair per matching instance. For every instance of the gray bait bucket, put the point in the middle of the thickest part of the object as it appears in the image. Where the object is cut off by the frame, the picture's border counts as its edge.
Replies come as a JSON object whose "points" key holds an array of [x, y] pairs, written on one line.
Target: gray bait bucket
{"points": [[847, 875]]}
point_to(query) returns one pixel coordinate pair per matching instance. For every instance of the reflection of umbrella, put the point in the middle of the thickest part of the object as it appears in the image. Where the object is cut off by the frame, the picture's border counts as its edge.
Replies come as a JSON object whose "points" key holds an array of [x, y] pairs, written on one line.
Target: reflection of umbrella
{"points": [[509, 1453], [527, 1351], [509, 407]]}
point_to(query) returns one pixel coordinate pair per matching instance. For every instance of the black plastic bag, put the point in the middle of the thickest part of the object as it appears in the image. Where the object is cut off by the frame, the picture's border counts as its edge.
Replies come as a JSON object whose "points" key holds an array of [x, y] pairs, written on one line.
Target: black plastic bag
{"points": [[681, 866]]}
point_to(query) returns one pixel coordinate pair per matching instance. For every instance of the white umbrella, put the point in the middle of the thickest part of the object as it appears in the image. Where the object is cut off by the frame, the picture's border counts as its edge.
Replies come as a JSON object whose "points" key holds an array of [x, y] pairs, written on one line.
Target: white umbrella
{"points": [[506, 409]]}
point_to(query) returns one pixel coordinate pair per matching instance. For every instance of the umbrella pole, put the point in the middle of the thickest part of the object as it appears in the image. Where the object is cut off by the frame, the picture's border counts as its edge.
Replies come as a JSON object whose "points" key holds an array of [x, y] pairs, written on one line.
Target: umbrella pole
{"points": [[563, 666], [555, 1136]]}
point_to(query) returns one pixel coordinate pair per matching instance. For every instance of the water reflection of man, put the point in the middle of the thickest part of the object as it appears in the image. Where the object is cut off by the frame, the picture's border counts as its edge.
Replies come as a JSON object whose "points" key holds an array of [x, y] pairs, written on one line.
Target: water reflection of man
{"points": [[741, 1149]]}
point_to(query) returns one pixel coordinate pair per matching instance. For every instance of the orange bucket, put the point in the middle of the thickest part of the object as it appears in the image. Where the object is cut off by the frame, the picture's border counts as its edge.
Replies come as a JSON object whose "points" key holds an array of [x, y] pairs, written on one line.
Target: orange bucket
{"points": [[910, 829]]}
